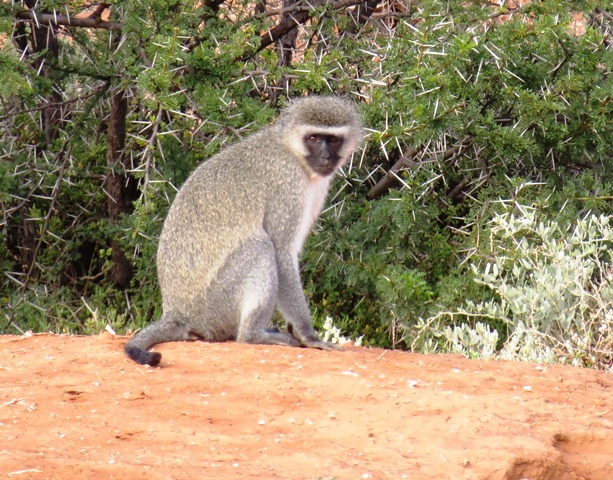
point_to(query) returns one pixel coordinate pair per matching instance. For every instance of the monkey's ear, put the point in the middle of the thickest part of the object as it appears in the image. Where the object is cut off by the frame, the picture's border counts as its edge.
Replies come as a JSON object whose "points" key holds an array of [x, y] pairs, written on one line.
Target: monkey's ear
{"points": [[350, 143], [295, 141]]}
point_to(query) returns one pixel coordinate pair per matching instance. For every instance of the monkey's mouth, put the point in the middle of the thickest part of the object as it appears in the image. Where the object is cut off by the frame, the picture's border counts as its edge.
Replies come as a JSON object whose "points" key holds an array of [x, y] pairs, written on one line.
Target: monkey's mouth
{"points": [[324, 170]]}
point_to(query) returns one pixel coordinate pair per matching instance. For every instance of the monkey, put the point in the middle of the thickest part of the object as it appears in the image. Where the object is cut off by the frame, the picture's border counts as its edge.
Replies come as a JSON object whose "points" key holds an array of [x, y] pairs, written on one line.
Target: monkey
{"points": [[228, 253]]}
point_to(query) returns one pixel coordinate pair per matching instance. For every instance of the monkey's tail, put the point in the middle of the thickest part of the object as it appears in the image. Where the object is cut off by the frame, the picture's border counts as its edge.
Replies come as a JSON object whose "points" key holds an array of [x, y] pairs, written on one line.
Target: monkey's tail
{"points": [[170, 328], [137, 347], [142, 357]]}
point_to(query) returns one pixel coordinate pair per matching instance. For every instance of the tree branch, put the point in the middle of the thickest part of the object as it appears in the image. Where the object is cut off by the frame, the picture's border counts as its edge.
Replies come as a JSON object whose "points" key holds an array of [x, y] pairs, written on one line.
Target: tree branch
{"points": [[301, 16], [391, 178], [55, 19], [361, 14]]}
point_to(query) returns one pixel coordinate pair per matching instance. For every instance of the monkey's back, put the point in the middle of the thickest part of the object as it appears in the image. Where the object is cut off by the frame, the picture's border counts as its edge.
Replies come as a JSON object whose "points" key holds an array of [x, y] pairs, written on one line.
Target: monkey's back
{"points": [[206, 223]]}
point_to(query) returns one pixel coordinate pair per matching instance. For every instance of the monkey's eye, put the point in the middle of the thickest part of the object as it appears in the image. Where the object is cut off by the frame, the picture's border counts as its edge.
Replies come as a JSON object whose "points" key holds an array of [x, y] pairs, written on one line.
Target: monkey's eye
{"points": [[313, 138], [335, 140]]}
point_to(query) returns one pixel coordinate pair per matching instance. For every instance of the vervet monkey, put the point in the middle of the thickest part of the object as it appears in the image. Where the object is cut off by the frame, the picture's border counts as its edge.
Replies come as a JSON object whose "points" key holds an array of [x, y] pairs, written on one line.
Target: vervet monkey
{"points": [[229, 248]]}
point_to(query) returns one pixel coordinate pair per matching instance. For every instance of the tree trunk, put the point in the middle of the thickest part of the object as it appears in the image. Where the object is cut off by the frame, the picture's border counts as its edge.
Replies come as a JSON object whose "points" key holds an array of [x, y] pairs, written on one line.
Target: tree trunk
{"points": [[121, 187]]}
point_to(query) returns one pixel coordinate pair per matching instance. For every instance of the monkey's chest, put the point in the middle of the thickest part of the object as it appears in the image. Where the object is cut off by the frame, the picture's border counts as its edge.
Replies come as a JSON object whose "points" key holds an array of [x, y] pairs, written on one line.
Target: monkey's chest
{"points": [[313, 202]]}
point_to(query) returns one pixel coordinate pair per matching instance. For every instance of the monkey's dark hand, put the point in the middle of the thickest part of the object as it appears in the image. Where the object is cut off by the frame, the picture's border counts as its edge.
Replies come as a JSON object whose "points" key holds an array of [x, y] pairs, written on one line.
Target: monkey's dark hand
{"points": [[313, 341], [322, 345]]}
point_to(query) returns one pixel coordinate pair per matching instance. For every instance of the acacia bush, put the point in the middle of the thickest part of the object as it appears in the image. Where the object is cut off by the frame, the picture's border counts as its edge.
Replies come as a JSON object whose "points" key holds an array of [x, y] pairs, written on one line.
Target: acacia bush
{"points": [[479, 107], [104, 115]]}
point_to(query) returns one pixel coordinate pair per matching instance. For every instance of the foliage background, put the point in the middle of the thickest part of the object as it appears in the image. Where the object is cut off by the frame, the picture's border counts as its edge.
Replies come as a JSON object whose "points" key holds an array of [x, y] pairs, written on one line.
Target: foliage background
{"points": [[481, 116]]}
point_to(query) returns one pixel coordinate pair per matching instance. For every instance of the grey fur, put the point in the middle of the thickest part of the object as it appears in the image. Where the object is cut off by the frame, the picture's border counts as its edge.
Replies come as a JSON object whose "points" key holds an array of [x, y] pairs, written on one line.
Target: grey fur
{"points": [[229, 249]]}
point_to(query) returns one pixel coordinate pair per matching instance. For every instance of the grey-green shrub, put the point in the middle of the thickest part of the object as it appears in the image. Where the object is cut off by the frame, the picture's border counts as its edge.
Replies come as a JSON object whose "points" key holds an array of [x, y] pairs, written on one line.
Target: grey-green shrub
{"points": [[552, 291]]}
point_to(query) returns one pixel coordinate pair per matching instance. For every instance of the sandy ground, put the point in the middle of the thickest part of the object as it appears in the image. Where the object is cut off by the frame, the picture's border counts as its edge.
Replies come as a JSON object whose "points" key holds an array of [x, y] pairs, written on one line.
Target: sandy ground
{"points": [[75, 407]]}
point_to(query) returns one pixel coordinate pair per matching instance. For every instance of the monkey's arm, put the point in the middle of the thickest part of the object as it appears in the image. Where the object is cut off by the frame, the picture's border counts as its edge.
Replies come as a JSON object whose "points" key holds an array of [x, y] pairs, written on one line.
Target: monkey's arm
{"points": [[292, 303]]}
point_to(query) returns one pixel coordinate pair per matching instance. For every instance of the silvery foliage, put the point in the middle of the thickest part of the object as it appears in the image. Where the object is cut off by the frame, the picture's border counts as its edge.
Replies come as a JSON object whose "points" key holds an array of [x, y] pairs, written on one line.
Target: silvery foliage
{"points": [[553, 291]]}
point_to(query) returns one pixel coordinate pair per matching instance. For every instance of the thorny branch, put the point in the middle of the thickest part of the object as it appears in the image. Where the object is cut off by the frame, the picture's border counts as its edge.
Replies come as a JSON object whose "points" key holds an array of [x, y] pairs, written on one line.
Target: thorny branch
{"points": [[301, 17], [67, 21], [64, 153], [391, 178], [300, 14]]}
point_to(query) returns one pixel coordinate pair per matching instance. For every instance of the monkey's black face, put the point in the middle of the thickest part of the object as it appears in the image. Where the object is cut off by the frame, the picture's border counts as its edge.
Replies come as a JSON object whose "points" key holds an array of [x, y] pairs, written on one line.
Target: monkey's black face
{"points": [[324, 152]]}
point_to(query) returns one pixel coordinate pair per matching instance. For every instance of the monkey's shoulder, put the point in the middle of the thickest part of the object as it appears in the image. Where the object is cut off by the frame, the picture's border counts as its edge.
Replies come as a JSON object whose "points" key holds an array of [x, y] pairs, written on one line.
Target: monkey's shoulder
{"points": [[263, 159]]}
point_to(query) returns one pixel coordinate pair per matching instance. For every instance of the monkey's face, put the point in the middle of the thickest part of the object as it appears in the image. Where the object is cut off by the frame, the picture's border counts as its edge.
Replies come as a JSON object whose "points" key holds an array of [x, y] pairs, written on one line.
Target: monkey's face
{"points": [[323, 152]]}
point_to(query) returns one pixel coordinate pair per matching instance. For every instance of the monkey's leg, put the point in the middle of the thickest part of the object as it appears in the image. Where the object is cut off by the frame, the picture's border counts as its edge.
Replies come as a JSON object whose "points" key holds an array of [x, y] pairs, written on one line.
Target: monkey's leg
{"points": [[293, 306], [253, 272], [167, 329]]}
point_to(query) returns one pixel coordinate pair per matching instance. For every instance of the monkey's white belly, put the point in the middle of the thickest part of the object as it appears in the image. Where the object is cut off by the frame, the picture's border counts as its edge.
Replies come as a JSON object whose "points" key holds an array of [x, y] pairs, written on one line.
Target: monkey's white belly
{"points": [[313, 203]]}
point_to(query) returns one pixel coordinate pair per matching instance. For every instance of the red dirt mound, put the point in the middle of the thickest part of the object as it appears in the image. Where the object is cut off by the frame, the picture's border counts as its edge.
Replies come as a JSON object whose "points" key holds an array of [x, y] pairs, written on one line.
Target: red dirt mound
{"points": [[75, 407]]}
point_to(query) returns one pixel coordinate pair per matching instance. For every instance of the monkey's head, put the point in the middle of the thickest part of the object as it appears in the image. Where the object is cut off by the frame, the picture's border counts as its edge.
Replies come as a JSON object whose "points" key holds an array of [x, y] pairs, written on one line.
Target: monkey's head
{"points": [[322, 132]]}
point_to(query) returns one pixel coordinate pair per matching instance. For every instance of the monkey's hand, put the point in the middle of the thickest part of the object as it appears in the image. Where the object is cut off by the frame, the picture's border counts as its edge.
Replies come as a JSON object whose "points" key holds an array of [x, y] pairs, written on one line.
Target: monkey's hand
{"points": [[322, 345], [311, 340]]}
